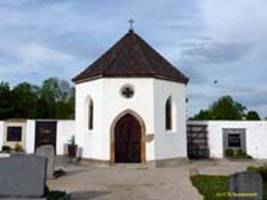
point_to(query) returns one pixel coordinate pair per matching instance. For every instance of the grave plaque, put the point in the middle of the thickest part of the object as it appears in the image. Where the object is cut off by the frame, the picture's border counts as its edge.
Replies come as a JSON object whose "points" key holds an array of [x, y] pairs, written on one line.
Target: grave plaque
{"points": [[48, 152], [22, 177], [246, 186]]}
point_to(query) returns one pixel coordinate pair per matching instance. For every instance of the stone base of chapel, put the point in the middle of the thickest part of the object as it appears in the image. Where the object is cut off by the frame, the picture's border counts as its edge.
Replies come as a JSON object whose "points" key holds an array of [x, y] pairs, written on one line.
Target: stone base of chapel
{"points": [[163, 163]]}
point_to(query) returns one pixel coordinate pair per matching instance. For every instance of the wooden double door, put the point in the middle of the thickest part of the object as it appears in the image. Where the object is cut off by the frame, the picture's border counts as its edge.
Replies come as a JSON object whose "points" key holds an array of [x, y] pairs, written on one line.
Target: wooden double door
{"points": [[128, 140]]}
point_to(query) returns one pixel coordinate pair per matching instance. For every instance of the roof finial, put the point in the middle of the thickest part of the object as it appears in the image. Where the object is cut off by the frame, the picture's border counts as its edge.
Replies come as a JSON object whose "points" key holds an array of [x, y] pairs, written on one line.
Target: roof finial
{"points": [[131, 21]]}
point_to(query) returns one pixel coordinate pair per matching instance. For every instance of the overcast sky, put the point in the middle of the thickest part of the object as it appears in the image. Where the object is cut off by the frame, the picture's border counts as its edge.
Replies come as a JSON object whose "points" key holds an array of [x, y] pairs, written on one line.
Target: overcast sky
{"points": [[208, 40]]}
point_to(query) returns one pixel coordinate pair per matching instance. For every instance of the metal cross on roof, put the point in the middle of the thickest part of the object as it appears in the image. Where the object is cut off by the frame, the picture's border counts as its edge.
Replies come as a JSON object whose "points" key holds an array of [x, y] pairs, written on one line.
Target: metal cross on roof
{"points": [[131, 22]]}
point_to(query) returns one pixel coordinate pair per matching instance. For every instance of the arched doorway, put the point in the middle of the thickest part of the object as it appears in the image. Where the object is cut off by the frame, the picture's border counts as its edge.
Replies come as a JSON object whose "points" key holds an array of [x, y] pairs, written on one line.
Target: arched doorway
{"points": [[128, 139]]}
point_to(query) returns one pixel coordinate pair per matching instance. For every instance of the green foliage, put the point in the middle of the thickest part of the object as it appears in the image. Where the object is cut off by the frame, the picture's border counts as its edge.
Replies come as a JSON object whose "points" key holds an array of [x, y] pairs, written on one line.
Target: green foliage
{"points": [[53, 100], [240, 154], [236, 154], [18, 148], [211, 186], [261, 170], [25, 99], [55, 195], [223, 109], [6, 149], [208, 186], [6, 106], [253, 115], [229, 153]]}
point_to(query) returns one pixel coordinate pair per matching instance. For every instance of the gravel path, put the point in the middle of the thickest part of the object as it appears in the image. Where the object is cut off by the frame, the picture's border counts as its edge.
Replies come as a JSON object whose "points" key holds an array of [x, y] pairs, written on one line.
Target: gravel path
{"points": [[131, 184], [115, 183]]}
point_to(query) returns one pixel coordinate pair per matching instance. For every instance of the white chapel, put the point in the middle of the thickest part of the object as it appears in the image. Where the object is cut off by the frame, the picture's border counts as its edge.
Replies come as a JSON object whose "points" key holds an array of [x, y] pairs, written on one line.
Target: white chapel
{"points": [[130, 106]]}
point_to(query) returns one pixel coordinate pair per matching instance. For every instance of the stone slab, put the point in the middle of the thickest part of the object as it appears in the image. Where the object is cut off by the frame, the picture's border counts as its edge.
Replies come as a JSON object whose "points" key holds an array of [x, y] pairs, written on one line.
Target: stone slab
{"points": [[22, 176], [48, 152], [246, 186]]}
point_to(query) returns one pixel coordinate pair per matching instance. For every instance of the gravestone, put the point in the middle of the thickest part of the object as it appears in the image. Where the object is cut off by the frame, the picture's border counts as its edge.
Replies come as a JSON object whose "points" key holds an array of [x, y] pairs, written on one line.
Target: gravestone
{"points": [[48, 152], [246, 186], [22, 177]]}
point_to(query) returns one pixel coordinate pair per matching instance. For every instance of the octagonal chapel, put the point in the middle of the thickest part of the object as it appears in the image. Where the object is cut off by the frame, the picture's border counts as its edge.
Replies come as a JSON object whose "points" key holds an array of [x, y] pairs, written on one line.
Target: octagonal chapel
{"points": [[130, 106]]}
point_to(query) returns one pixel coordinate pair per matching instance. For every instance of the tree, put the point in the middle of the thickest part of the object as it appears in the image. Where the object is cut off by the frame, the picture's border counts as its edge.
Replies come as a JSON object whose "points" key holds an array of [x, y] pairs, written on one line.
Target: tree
{"points": [[6, 107], [202, 115], [53, 100], [253, 115], [25, 99], [223, 109], [57, 97]]}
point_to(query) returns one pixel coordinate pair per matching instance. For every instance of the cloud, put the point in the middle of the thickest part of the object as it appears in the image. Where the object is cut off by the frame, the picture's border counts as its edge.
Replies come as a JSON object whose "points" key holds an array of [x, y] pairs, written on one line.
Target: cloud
{"points": [[206, 39], [214, 52]]}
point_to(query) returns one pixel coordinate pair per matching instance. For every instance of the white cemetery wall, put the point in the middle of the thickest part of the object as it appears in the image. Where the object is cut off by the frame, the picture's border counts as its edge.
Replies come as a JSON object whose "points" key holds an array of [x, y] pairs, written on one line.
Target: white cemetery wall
{"points": [[12, 142], [1, 134], [65, 129], [30, 136], [256, 137]]}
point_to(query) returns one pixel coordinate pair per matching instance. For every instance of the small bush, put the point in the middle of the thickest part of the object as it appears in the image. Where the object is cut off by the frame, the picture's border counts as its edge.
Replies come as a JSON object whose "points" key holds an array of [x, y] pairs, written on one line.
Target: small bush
{"points": [[6, 149], [229, 153], [240, 154], [56, 195], [236, 154], [18, 148], [261, 170]]}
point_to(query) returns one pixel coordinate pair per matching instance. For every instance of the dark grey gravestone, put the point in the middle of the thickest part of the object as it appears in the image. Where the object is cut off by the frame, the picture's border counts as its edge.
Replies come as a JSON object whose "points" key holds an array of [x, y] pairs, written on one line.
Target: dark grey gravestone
{"points": [[22, 177], [246, 186], [48, 152]]}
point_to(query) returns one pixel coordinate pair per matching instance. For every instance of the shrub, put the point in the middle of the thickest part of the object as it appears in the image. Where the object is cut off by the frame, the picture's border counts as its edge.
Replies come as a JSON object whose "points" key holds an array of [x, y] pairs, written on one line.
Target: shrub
{"points": [[261, 170], [18, 148], [6, 149], [236, 154], [229, 153], [240, 154]]}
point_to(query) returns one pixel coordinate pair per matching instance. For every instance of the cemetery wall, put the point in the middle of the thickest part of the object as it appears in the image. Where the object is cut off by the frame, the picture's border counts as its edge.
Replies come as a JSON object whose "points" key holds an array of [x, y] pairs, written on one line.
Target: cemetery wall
{"points": [[1, 133], [30, 136], [65, 129], [255, 133]]}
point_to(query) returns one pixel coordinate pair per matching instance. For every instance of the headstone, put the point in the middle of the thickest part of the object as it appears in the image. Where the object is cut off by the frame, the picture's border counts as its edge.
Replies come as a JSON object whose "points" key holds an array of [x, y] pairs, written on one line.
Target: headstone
{"points": [[22, 177], [48, 152], [246, 186]]}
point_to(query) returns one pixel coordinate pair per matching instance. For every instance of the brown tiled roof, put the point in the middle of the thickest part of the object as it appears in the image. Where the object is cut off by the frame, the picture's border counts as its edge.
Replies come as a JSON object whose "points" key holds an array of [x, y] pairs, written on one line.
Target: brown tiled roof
{"points": [[131, 56]]}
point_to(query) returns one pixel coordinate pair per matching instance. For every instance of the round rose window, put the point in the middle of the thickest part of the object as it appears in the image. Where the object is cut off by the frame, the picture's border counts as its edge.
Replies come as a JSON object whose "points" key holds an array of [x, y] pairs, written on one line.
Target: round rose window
{"points": [[127, 91]]}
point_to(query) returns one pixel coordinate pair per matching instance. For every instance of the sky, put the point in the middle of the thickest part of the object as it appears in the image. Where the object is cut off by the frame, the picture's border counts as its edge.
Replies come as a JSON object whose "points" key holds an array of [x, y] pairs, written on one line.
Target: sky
{"points": [[208, 40]]}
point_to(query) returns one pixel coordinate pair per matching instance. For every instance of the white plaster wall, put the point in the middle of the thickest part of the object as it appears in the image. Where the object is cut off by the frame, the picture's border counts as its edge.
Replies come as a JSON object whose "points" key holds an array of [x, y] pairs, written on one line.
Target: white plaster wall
{"points": [[256, 137], [169, 144], [65, 129], [89, 140], [148, 102], [30, 136], [15, 123], [108, 104], [1, 134], [114, 104]]}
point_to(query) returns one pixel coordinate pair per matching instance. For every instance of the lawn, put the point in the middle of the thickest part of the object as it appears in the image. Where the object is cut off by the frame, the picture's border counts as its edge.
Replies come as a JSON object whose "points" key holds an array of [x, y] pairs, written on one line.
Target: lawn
{"points": [[212, 186]]}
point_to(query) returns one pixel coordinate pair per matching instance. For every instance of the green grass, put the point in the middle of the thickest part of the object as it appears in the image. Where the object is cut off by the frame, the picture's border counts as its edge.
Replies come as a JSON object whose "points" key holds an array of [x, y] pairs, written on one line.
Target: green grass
{"points": [[209, 186]]}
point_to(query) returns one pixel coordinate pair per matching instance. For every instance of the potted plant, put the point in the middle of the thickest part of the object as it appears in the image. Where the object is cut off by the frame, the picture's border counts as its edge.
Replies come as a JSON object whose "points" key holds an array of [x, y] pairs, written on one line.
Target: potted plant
{"points": [[72, 147]]}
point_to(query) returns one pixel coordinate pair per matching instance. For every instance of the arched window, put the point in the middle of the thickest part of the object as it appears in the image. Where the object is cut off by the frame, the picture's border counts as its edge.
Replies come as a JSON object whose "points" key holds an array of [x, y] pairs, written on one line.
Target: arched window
{"points": [[90, 114], [168, 114]]}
